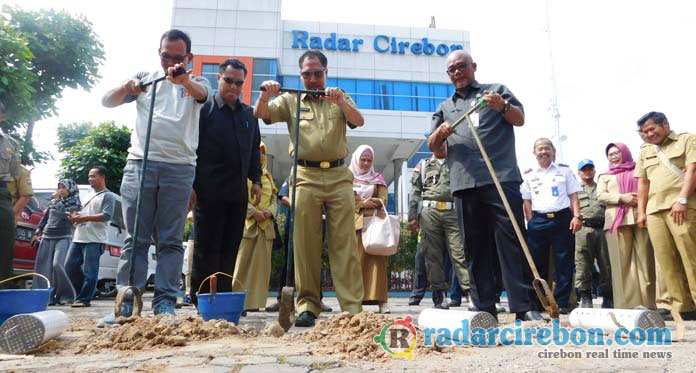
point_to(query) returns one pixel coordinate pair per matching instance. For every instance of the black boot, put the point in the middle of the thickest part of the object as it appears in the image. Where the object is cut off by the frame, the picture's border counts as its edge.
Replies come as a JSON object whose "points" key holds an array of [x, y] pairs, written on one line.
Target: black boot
{"points": [[440, 299], [608, 301], [586, 299]]}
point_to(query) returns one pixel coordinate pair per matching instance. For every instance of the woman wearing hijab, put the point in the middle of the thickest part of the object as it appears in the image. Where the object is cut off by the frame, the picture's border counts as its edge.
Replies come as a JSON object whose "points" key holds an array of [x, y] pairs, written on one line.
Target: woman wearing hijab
{"points": [[371, 196], [253, 266], [56, 237], [630, 252]]}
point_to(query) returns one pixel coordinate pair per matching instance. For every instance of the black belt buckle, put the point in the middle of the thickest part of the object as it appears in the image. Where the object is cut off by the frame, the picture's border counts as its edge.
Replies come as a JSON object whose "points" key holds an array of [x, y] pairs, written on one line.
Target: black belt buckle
{"points": [[323, 164]]}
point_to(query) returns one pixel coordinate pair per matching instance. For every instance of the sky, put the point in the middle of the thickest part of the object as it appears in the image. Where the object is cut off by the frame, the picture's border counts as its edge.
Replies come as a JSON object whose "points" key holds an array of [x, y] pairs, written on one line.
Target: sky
{"points": [[613, 61]]}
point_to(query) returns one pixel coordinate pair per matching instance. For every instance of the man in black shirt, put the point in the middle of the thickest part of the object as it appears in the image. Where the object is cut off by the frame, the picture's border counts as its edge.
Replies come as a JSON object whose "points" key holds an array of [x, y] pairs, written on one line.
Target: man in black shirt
{"points": [[228, 154], [482, 216]]}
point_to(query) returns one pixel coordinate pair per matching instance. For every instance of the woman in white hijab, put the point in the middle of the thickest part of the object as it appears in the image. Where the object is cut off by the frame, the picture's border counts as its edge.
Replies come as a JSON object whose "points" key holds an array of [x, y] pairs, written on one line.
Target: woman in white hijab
{"points": [[370, 198]]}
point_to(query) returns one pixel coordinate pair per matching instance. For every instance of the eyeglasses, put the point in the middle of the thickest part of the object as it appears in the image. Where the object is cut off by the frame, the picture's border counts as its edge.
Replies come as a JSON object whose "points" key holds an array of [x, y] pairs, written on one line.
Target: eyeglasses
{"points": [[613, 154], [229, 80], [176, 59], [461, 67], [316, 73]]}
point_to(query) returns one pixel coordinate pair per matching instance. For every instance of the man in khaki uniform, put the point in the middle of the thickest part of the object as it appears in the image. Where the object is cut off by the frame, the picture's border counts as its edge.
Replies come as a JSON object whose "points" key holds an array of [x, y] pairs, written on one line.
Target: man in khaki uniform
{"points": [[9, 168], [322, 181], [430, 187], [590, 243], [20, 189], [667, 206]]}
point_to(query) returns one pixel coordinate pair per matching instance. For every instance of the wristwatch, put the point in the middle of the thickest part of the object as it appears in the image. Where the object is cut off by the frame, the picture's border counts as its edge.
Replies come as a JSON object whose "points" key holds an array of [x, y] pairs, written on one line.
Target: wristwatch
{"points": [[506, 107], [682, 201]]}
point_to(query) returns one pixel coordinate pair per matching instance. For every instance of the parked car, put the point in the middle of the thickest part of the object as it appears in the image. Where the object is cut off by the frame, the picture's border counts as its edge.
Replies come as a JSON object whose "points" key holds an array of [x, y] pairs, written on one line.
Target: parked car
{"points": [[25, 254]]}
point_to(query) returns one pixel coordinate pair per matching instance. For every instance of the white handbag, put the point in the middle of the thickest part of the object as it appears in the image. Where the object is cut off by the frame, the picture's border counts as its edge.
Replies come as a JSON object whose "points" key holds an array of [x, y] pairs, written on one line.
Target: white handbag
{"points": [[380, 236]]}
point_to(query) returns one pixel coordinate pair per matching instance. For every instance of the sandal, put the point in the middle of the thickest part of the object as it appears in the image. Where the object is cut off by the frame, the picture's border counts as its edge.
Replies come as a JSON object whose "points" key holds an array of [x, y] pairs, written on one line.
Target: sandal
{"points": [[80, 305]]}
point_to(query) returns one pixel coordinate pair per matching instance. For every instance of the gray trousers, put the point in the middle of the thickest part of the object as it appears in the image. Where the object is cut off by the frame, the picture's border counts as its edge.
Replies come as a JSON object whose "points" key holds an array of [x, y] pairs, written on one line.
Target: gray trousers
{"points": [[50, 262], [162, 219]]}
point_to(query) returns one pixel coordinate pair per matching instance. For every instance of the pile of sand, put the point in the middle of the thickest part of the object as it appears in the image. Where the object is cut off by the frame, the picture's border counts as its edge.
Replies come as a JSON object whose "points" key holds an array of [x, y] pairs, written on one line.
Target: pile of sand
{"points": [[352, 337], [158, 331]]}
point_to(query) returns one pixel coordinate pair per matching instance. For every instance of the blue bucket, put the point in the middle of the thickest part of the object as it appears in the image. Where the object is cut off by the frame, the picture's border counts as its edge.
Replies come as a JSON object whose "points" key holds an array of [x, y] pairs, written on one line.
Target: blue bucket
{"points": [[224, 306], [14, 302]]}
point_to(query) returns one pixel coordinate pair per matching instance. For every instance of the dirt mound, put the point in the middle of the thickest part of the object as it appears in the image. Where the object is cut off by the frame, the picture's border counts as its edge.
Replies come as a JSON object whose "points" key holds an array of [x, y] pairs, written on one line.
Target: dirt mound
{"points": [[352, 337], [157, 331]]}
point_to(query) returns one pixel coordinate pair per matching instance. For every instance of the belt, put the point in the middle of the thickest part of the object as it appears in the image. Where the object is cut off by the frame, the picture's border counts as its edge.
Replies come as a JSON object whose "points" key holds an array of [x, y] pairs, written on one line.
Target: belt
{"points": [[323, 164], [440, 205], [593, 224], [551, 215]]}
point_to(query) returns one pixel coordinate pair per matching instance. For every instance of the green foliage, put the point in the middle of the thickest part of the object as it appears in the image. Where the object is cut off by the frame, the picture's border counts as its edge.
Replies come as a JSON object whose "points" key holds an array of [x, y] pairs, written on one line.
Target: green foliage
{"points": [[16, 76], [66, 54], [404, 259], [106, 144], [70, 134]]}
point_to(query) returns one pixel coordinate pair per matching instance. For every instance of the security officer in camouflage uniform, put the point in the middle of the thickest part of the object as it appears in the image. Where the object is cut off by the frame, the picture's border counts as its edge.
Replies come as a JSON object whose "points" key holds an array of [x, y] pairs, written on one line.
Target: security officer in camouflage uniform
{"points": [[666, 172], [590, 242], [430, 188], [9, 167]]}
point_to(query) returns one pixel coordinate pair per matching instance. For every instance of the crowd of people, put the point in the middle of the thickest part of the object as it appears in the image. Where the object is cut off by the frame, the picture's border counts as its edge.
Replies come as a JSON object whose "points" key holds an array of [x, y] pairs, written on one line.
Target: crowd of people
{"points": [[205, 153]]}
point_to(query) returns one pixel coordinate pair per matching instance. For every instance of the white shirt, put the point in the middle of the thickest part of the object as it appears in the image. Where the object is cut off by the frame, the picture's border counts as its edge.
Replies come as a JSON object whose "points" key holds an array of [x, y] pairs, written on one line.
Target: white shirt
{"points": [[548, 189], [96, 203], [174, 137]]}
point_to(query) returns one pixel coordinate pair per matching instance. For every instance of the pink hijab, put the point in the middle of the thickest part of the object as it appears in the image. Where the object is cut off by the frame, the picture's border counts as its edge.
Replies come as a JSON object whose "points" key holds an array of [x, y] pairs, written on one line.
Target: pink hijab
{"points": [[370, 177], [624, 176]]}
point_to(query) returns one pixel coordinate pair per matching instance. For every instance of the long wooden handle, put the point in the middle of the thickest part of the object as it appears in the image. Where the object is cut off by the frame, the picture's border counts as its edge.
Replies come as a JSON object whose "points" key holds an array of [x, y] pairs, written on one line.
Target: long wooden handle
{"points": [[511, 215]]}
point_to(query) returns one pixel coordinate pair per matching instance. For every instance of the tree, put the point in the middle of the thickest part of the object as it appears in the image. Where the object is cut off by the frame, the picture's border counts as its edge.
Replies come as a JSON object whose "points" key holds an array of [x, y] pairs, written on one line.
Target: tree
{"points": [[86, 145], [66, 54], [16, 76]]}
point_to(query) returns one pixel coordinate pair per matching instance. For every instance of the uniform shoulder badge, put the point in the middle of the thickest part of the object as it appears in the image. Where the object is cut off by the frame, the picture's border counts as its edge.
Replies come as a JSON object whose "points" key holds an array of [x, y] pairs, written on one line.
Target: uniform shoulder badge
{"points": [[563, 165], [527, 171]]}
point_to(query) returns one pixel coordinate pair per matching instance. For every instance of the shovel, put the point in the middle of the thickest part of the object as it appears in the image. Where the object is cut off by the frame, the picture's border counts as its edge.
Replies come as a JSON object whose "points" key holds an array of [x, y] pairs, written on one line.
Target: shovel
{"points": [[542, 289], [137, 294], [286, 311]]}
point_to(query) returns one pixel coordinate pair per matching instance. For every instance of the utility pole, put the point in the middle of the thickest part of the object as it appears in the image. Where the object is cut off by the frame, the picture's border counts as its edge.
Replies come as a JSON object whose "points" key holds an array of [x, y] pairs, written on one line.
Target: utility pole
{"points": [[554, 94]]}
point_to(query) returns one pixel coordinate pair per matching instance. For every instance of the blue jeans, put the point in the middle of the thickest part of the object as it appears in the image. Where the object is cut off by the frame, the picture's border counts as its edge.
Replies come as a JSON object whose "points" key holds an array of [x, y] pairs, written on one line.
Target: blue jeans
{"points": [[162, 219], [85, 255]]}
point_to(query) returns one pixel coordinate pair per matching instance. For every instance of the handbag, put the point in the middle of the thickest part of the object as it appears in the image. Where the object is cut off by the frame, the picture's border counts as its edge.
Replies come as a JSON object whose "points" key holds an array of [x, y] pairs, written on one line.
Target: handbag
{"points": [[380, 236]]}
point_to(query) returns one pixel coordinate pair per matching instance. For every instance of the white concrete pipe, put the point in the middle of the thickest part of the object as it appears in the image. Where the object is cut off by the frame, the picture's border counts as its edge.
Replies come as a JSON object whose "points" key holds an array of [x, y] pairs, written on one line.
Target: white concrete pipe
{"points": [[26, 332], [453, 320], [610, 320]]}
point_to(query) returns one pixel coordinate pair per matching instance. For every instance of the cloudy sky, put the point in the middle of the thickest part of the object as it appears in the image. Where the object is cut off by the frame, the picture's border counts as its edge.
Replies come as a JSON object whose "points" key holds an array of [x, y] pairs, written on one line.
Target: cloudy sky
{"points": [[613, 60]]}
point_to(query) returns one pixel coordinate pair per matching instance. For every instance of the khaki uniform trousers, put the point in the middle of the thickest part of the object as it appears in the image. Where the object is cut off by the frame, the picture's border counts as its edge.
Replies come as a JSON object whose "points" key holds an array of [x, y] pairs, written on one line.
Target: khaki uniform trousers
{"points": [[440, 234], [675, 251], [632, 267], [333, 189]]}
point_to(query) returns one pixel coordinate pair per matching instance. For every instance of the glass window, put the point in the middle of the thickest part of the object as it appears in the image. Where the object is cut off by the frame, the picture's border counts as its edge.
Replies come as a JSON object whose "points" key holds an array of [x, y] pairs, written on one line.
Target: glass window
{"points": [[347, 85], [365, 86], [264, 66], [210, 71], [291, 82]]}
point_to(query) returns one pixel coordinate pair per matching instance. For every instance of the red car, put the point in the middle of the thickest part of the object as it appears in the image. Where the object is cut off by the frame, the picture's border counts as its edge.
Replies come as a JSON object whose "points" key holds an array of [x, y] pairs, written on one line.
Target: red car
{"points": [[24, 252]]}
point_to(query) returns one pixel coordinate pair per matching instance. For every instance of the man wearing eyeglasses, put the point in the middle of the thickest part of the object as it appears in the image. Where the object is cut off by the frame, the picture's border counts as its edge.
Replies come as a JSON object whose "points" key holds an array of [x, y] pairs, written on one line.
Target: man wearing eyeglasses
{"points": [[322, 181], [228, 154], [477, 202], [170, 172], [666, 172]]}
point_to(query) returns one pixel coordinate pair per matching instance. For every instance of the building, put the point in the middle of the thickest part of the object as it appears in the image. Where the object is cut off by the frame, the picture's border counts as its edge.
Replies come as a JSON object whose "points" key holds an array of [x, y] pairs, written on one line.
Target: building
{"points": [[396, 75]]}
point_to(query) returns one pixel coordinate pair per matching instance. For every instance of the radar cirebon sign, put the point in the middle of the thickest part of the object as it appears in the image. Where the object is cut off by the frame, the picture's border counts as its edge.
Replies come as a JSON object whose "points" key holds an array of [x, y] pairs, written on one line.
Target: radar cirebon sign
{"points": [[381, 43]]}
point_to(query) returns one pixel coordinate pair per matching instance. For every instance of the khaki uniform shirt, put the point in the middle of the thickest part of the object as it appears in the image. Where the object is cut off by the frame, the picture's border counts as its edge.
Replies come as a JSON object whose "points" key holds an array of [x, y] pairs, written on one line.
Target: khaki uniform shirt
{"points": [[590, 207], [9, 158], [608, 192], [322, 126], [664, 184], [430, 181], [20, 186]]}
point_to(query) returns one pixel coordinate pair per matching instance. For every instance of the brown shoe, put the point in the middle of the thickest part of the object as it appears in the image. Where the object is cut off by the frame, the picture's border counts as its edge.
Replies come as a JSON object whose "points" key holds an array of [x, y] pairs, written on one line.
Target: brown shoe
{"points": [[80, 305]]}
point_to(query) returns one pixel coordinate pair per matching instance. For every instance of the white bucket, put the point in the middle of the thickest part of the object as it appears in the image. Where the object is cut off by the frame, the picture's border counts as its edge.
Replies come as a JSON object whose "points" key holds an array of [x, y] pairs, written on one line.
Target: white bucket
{"points": [[26, 332]]}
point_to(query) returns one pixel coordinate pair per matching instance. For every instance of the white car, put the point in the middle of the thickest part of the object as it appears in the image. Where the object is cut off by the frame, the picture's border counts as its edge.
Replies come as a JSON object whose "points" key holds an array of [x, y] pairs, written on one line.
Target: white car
{"points": [[115, 238]]}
